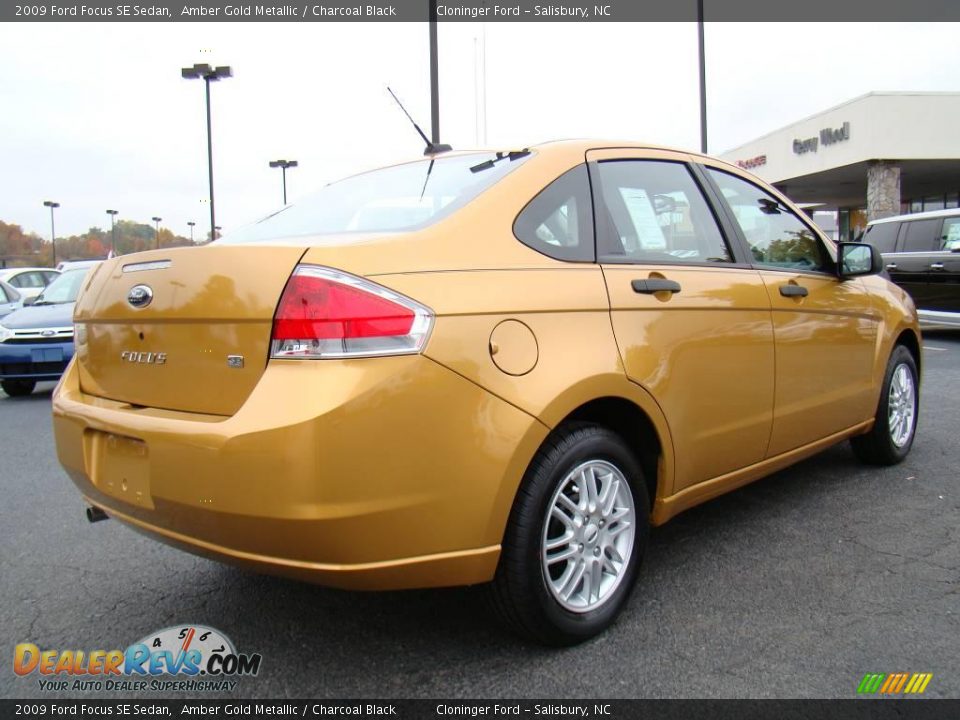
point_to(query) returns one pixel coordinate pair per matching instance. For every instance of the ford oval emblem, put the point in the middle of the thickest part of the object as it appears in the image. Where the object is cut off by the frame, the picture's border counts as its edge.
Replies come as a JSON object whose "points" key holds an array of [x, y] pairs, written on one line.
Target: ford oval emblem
{"points": [[140, 296]]}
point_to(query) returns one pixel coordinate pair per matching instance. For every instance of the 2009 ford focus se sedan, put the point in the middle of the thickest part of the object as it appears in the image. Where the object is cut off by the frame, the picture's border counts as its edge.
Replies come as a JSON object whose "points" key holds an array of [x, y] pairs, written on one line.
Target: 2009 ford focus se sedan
{"points": [[482, 367]]}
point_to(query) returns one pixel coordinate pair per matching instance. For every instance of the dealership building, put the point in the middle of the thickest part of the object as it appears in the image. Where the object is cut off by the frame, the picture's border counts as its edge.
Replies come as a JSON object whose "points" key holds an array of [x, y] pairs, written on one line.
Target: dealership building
{"points": [[881, 154]]}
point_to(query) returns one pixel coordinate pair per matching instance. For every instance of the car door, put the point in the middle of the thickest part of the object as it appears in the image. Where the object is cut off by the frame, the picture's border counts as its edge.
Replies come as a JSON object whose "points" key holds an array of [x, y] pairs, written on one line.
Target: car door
{"points": [[692, 324], [825, 328], [913, 265]]}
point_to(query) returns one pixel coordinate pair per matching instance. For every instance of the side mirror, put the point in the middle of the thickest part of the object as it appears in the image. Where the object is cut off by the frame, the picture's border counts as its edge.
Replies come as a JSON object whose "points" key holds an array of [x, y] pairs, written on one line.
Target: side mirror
{"points": [[29, 301], [854, 259]]}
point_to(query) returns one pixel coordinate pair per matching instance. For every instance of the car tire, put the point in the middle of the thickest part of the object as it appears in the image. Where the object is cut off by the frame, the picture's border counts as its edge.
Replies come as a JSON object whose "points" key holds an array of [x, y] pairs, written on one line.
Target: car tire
{"points": [[895, 424], [536, 590], [18, 388]]}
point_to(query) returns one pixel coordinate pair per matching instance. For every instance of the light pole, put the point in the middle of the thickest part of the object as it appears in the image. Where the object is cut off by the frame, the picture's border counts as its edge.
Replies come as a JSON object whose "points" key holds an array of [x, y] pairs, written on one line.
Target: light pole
{"points": [[53, 234], [191, 223], [208, 75], [703, 80], [283, 165], [157, 221], [434, 76], [113, 233]]}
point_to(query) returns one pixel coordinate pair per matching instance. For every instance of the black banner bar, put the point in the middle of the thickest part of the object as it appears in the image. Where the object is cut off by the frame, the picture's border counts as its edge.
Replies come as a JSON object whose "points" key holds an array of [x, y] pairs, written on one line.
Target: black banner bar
{"points": [[856, 709], [479, 10]]}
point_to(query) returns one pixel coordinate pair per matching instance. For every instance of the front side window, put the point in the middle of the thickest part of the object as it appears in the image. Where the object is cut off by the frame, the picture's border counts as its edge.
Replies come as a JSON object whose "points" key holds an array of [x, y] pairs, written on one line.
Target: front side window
{"points": [[654, 212], [950, 237], [883, 236], [558, 222], [393, 199], [776, 237]]}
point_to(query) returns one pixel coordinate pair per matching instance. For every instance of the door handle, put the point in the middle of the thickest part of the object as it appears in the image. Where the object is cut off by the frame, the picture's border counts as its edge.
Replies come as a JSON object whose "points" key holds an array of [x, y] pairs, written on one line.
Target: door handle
{"points": [[793, 291], [891, 266], [655, 285], [936, 266]]}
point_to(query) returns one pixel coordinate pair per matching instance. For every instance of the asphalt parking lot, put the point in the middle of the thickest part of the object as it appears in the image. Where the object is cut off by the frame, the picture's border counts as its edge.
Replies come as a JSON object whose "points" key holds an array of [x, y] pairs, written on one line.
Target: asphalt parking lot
{"points": [[795, 586]]}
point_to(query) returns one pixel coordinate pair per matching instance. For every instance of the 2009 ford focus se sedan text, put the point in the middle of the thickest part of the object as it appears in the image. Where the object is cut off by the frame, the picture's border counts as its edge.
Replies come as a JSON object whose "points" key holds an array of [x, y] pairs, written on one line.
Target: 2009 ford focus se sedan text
{"points": [[482, 367]]}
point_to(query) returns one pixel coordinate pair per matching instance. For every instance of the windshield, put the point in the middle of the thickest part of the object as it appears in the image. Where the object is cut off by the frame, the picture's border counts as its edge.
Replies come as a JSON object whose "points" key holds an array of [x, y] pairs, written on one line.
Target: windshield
{"points": [[403, 197], [64, 289]]}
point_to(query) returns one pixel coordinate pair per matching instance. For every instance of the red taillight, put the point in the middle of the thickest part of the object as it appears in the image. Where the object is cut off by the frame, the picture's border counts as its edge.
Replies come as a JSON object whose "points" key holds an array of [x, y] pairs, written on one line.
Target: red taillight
{"points": [[326, 313]]}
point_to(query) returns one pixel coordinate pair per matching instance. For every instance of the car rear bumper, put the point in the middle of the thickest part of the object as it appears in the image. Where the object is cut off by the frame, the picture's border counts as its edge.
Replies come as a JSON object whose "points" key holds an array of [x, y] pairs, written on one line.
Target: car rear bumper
{"points": [[34, 361], [367, 474]]}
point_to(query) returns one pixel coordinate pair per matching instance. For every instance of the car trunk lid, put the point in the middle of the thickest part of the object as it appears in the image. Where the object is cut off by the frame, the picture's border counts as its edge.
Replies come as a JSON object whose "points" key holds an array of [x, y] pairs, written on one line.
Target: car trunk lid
{"points": [[198, 343]]}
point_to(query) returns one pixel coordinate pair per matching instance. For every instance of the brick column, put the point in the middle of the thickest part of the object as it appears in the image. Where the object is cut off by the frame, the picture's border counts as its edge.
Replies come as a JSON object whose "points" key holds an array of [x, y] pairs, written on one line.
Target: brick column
{"points": [[883, 189]]}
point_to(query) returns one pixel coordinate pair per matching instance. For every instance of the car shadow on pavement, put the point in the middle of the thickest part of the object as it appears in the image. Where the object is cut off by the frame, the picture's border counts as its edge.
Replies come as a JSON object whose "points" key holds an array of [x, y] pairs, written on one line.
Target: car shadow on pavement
{"points": [[391, 629]]}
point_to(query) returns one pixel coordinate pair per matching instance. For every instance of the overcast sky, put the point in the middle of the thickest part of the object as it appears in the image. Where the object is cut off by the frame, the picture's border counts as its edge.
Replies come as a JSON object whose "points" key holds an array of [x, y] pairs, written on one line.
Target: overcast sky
{"points": [[96, 116]]}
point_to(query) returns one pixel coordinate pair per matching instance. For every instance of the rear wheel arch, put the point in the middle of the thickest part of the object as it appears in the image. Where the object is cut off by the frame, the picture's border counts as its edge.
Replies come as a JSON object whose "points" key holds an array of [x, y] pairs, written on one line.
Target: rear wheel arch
{"points": [[634, 416], [633, 426], [609, 401]]}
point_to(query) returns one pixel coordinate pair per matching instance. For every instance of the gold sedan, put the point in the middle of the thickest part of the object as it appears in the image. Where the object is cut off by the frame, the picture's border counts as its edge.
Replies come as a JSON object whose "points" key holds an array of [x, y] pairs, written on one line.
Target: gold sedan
{"points": [[482, 367]]}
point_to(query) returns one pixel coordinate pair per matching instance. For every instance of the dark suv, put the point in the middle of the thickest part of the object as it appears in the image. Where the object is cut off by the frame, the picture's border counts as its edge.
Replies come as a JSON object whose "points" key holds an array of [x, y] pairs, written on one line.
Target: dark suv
{"points": [[922, 254]]}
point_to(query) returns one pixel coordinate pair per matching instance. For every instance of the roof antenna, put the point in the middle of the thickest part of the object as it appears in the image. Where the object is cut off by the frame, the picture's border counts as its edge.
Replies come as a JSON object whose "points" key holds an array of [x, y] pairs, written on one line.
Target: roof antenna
{"points": [[431, 148]]}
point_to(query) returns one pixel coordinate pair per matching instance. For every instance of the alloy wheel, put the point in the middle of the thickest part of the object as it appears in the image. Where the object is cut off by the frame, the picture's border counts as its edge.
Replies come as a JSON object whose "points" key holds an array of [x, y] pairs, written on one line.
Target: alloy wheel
{"points": [[588, 536]]}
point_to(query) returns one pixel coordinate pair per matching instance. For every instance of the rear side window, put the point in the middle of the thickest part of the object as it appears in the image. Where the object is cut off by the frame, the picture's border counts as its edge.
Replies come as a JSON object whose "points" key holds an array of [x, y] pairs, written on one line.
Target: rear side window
{"points": [[654, 212], [883, 236], [30, 280], [920, 236], [950, 236], [558, 222]]}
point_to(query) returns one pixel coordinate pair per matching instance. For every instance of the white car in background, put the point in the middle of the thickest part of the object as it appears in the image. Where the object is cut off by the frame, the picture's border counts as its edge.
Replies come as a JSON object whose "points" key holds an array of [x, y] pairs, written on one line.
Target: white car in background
{"points": [[29, 281]]}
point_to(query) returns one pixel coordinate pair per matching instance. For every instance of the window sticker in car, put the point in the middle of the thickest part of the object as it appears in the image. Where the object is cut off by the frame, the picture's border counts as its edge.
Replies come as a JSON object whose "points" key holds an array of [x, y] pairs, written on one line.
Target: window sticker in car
{"points": [[644, 218]]}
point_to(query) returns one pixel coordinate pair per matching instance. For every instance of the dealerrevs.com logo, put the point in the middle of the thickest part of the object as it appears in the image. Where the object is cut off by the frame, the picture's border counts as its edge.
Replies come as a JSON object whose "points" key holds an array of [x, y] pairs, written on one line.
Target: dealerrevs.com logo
{"points": [[200, 658]]}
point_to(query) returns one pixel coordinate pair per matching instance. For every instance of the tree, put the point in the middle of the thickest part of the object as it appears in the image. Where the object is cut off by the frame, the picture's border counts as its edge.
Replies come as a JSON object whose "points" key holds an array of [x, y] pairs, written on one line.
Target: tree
{"points": [[20, 248]]}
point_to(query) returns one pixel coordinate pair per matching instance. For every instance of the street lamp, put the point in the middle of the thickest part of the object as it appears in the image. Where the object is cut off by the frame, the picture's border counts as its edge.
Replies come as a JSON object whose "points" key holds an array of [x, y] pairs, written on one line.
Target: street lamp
{"points": [[191, 223], [208, 75], [157, 221], [283, 165], [113, 233], [53, 235], [434, 75], [703, 78]]}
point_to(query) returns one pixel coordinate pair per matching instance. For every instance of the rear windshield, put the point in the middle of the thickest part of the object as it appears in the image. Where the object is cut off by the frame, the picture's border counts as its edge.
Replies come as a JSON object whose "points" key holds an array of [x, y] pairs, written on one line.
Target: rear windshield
{"points": [[403, 197]]}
